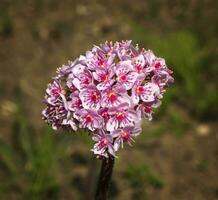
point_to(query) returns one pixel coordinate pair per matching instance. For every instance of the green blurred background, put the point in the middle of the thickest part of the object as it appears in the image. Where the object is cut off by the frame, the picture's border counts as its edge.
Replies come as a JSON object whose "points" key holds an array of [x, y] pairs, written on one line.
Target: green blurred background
{"points": [[176, 157]]}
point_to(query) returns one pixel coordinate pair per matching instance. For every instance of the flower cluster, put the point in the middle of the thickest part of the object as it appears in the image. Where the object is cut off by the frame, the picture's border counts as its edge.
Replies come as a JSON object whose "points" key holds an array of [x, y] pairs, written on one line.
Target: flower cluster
{"points": [[107, 91]]}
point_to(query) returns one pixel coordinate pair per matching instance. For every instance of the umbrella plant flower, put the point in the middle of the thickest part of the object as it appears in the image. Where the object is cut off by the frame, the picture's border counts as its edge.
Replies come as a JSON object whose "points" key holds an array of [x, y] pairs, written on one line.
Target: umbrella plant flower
{"points": [[107, 91]]}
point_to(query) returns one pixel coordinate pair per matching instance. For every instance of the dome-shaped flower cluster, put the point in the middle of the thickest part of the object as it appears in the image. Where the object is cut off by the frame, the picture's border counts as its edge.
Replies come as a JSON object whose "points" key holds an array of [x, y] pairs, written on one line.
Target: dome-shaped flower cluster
{"points": [[107, 91]]}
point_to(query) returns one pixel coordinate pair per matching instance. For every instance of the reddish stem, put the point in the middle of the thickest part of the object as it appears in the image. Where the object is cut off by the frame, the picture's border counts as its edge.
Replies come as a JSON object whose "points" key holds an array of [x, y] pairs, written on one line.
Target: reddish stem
{"points": [[104, 179]]}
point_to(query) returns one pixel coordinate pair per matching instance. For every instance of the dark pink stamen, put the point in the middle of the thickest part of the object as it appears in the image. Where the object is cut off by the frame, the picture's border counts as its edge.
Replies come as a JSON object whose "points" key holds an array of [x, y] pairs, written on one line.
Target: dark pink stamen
{"points": [[140, 89], [147, 109], [103, 143], [120, 116], [94, 97], [125, 136], [89, 118], [104, 77], [100, 62], [112, 96], [123, 77], [105, 115], [138, 68], [157, 65], [86, 81], [55, 91]]}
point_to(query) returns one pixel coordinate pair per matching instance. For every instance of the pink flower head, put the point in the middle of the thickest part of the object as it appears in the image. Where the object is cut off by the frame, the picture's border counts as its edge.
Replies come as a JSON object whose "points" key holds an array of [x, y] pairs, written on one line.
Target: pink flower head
{"points": [[97, 59], [58, 115], [114, 96], [104, 146], [104, 113], [125, 50], [107, 92], [145, 111], [54, 91], [139, 63], [65, 70], [125, 135], [107, 47], [104, 78], [90, 97], [75, 103], [121, 116], [125, 74], [88, 119], [148, 92], [162, 78], [81, 77]]}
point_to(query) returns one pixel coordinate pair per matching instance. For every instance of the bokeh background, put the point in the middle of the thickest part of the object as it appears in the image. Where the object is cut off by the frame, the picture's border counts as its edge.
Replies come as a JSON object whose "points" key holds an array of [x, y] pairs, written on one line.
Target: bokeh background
{"points": [[176, 157]]}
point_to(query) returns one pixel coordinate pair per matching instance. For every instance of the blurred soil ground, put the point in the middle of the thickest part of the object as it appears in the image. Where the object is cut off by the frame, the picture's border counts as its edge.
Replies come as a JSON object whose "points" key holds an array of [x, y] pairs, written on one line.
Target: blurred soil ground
{"points": [[177, 155]]}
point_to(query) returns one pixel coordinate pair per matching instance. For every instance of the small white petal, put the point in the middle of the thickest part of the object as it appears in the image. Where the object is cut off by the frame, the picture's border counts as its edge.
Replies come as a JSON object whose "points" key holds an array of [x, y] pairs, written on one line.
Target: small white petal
{"points": [[112, 124]]}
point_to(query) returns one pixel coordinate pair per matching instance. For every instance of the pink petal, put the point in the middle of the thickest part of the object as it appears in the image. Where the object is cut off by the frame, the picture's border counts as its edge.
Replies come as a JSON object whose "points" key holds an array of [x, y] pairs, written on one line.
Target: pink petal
{"points": [[123, 67], [78, 69], [112, 124], [140, 60], [77, 83], [150, 57], [103, 86], [135, 98]]}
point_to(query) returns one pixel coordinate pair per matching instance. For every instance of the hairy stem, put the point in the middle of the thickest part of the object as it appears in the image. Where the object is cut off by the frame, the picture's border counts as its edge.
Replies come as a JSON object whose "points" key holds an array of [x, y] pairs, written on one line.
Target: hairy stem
{"points": [[104, 179]]}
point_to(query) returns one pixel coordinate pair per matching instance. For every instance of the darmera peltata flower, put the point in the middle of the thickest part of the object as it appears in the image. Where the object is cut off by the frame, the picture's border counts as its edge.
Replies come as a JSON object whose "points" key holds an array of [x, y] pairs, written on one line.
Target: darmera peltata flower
{"points": [[108, 92]]}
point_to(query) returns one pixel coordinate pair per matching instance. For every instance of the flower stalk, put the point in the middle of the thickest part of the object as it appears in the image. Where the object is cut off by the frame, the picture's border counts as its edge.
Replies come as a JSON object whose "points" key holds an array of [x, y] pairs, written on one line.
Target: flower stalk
{"points": [[104, 178]]}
